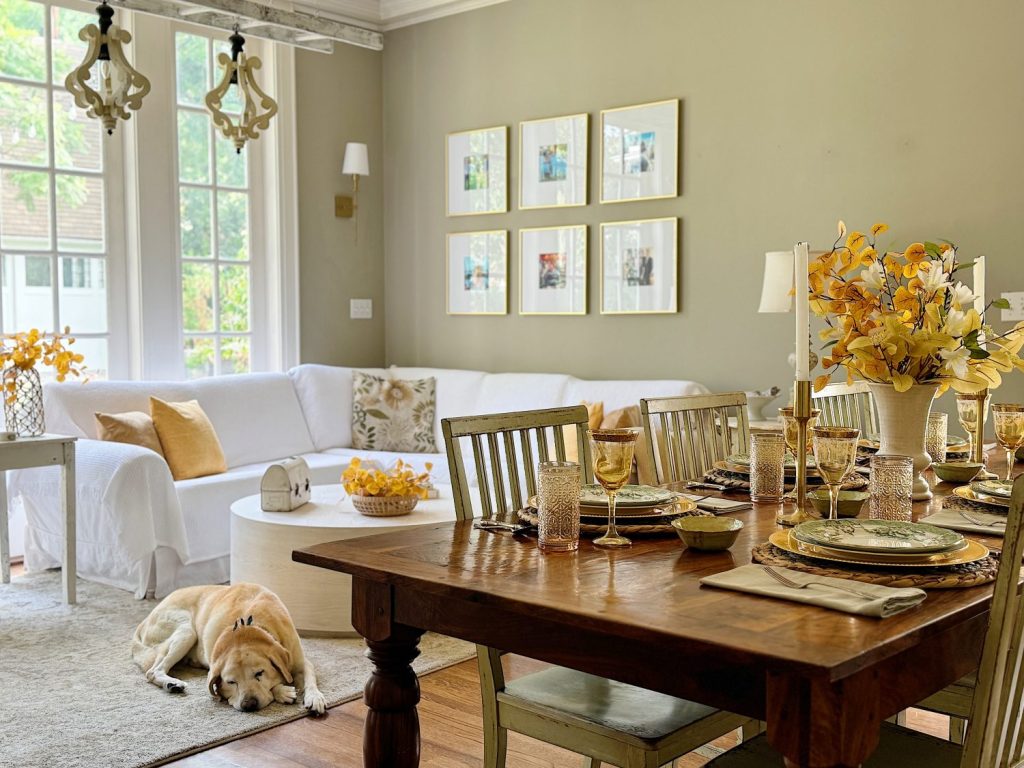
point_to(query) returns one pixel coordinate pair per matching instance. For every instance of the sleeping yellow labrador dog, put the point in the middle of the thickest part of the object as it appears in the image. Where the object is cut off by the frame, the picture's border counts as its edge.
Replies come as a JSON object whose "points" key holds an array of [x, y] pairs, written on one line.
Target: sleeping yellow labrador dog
{"points": [[242, 633]]}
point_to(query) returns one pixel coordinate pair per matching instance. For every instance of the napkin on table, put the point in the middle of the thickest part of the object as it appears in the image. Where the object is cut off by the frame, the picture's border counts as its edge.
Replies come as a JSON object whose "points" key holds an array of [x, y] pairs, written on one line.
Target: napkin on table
{"points": [[886, 601], [717, 505], [949, 517]]}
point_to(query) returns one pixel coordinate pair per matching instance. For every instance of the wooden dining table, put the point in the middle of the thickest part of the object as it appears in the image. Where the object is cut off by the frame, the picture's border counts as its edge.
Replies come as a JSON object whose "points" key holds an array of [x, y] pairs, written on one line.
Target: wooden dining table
{"points": [[823, 681]]}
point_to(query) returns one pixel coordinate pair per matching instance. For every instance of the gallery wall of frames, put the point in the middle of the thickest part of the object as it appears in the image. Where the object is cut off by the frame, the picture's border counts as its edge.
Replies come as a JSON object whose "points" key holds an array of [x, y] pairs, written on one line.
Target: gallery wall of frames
{"points": [[638, 259]]}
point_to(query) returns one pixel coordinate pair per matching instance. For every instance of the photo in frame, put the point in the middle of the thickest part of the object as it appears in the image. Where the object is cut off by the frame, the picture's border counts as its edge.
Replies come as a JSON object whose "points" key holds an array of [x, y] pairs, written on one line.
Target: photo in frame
{"points": [[639, 267], [553, 162], [477, 169], [553, 271], [640, 152], [476, 273]]}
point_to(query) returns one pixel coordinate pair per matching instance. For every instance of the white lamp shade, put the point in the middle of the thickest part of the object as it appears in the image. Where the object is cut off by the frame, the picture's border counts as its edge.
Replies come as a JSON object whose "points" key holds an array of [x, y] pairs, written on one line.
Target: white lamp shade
{"points": [[778, 282], [357, 160]]}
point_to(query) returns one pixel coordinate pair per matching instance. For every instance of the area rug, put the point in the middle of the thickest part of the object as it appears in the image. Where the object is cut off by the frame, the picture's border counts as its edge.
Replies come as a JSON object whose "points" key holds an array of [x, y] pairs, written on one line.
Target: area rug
{"points": [[72, 697]]}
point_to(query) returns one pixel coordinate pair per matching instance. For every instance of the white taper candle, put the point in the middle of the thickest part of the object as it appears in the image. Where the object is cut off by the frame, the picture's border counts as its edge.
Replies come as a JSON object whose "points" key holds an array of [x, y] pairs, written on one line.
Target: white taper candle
{"points": [[803, 370]]}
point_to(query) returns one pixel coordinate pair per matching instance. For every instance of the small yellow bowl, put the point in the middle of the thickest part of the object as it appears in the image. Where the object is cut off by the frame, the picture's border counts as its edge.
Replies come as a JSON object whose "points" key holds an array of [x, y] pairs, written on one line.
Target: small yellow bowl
{"points": [[849, 504], [706, 533], [956, 471]]}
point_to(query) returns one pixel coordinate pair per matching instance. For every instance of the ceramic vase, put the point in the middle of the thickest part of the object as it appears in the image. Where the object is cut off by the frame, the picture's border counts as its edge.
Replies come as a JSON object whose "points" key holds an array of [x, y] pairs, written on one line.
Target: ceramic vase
{"points": [[902, 422], [23, 401]]}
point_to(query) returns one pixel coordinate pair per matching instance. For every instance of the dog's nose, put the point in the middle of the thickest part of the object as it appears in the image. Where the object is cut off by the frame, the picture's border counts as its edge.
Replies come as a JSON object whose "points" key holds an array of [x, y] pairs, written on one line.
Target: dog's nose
{"points": [[250, 704]]}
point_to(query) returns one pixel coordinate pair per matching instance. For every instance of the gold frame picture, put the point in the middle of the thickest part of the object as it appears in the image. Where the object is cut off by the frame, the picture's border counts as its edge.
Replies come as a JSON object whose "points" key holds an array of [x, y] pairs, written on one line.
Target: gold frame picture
{"points": [[643, 256], [553, 270], [476, 171], [478, 283], [640, 152], [554, 162]]}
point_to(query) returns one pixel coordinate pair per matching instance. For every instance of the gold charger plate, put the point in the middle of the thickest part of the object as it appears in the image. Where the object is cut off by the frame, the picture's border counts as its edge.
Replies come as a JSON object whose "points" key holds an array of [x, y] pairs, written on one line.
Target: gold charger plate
{"points": [[966, 492], [678, 507], [974, 551]]}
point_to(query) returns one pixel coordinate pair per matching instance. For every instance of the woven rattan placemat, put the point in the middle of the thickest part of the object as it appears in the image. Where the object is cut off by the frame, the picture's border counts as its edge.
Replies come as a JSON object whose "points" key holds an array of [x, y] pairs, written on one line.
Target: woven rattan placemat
{"points": [[954, 577]]}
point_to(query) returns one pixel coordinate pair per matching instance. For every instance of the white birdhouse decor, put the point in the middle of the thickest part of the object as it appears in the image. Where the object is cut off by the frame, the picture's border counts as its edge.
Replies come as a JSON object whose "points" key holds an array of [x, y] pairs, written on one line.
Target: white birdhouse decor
{"points": [[239, 71], [119, 86]]}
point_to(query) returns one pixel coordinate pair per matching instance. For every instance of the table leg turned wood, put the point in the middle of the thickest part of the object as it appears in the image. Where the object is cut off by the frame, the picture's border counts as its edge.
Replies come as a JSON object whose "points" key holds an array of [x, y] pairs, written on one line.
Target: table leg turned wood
{"points": [[67, 482], [391, 734], [821, 724]]}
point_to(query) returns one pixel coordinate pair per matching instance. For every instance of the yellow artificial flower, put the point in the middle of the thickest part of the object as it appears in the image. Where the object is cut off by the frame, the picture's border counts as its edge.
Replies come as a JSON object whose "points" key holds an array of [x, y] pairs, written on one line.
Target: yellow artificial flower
{"points": [[878, 229]]}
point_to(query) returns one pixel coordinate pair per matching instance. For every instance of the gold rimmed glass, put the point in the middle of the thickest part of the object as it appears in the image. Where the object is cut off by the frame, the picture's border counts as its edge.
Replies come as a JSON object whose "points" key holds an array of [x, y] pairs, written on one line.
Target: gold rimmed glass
{"points": [[790, 431], [835, 453], [967, 413], [613, 461], [1008, 420]]}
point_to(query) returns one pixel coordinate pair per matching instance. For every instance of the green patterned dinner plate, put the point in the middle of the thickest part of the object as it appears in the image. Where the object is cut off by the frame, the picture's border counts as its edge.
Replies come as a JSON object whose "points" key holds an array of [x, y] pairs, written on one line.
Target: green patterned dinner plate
{"points": [[878, 536], [1001, 488], [628, 496]]}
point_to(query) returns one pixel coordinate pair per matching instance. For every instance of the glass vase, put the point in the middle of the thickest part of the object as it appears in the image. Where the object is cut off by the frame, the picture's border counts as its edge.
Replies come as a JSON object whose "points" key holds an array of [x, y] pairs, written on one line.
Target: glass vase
{"points": [[23, 402]]}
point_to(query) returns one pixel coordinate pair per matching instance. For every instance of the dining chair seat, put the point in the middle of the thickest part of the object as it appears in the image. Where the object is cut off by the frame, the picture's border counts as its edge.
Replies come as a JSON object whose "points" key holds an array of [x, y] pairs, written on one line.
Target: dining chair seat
{"points": [[898, 747], [638, 714]]}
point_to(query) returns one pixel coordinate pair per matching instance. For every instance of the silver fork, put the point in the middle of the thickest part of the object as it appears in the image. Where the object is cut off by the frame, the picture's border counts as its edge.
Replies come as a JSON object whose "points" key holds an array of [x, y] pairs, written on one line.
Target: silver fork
{"points": [[976, 521], [787, 582]]}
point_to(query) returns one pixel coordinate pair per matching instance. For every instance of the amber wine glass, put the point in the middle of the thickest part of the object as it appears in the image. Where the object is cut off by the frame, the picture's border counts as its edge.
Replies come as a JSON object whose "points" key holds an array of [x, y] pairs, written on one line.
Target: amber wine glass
{"points": [[613, 461], [1008, 420], [835, 453], [967, 413]]}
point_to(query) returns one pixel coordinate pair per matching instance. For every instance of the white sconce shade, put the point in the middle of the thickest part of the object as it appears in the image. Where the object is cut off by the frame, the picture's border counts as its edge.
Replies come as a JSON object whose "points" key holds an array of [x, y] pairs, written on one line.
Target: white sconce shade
{"points": [[357, 160], [778, 282]]}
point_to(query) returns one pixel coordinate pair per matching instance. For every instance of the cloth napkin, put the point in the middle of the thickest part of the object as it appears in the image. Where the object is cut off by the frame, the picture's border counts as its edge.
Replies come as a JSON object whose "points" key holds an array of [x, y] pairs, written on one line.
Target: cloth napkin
{"points": [[882, 603], [717, 505], [950, 517]]}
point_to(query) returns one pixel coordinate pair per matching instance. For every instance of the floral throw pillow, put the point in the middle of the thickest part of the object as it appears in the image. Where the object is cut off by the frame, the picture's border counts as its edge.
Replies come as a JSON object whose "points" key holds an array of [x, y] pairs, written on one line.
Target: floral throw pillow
{"points": [[393, 414]]}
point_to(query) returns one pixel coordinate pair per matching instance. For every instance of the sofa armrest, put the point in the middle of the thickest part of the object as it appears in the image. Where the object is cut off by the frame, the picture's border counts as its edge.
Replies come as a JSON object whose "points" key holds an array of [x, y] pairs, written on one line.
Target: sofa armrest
{"points": [[127, 505]]}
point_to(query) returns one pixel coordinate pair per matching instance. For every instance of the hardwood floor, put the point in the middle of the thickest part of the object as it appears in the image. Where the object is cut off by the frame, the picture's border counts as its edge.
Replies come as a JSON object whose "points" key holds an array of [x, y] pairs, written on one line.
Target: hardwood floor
{"points": [[452, 732]]}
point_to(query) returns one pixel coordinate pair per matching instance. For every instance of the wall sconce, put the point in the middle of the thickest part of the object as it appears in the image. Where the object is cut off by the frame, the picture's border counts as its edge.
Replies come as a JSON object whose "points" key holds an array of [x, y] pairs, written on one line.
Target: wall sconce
{"points": [[356, 164]]}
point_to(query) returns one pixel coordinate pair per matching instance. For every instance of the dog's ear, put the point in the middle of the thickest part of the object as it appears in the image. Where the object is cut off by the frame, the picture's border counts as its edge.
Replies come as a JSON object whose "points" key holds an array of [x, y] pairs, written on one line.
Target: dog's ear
{"points": [[281, 658], [213, 680]]}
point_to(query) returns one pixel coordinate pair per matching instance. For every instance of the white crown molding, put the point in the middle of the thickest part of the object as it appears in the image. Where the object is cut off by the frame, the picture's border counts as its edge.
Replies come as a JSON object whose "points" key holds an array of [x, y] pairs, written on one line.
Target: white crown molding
{"points": [[404, 13]]}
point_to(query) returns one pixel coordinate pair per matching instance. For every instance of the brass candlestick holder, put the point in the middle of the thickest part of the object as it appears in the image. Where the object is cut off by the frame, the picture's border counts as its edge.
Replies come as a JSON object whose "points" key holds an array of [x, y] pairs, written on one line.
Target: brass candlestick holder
{"points": [[802, 415], [979, 437]]}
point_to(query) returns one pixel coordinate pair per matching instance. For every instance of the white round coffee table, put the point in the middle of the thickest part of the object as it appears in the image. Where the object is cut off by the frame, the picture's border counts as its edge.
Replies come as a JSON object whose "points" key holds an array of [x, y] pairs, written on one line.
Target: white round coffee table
{"points": [[318, 600]]}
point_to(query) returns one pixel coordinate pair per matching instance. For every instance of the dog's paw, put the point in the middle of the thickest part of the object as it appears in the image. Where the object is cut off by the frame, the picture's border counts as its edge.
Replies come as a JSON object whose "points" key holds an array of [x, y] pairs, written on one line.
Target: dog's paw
{"points": [[284, 694], [315, 702], [175, 686]]}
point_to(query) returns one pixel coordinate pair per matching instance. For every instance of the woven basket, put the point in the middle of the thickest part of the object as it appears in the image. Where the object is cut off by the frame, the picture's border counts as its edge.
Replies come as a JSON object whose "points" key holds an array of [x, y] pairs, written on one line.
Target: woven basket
{"points": [[384, 506]]}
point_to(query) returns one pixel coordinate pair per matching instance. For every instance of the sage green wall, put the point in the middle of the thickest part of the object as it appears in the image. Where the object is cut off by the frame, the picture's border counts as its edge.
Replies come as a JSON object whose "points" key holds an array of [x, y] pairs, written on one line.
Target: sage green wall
{"points": [[795, 113], [338, 99]]}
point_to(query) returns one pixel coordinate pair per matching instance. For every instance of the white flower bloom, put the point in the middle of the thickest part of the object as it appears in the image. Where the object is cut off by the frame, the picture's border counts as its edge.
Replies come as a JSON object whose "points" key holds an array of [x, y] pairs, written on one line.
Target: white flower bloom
{"points": [[873, 276], [962, 296], [948, 258], [956, 323], [934, 278], [956, 360]]}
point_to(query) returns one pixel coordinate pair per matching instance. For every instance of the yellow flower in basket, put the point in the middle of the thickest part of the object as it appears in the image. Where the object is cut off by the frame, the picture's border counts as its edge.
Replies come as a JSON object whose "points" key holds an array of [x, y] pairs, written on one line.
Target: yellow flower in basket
{"points": [[904, 318]]}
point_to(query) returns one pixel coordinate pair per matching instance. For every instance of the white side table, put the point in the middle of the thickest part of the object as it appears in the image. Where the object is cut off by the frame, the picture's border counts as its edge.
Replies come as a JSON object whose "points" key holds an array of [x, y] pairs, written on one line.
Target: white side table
{"points": [[42, 451], [318, 600]]}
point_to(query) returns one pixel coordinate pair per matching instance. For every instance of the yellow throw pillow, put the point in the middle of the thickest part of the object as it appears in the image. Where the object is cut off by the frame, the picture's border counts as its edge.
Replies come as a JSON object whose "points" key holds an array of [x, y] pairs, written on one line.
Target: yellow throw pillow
{"points": [[133, 427], [595, 415], [622, 418], [188, 438]]}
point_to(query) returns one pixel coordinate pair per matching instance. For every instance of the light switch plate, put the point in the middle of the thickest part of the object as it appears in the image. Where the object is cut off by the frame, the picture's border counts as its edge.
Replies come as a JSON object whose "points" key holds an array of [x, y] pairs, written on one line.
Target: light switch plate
{"points": [[360, 309], [1016, 311]]}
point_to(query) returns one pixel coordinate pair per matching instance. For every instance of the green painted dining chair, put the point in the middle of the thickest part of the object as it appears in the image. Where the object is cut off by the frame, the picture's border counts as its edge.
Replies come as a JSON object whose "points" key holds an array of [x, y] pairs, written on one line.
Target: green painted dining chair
{"points": [[847, 405], [684, 436], [603, 720], [995, 737]]}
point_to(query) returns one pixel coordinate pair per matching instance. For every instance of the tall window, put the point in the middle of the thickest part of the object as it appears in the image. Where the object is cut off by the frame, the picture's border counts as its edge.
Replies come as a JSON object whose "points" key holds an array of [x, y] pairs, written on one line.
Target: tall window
{"points": [[214, 203], [54, 243]]}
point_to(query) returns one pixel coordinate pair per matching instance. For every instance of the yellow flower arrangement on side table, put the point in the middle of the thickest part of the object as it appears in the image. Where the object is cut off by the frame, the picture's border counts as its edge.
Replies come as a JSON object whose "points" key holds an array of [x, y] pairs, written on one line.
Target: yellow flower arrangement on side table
{"points": [[902, 317], [385, 494], [19, 355]]}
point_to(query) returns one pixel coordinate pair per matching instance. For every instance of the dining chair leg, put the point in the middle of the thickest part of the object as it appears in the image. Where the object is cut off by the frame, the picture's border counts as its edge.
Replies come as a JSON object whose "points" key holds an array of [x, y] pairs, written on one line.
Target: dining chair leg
{"points": [[495, 745], [957, 730]]}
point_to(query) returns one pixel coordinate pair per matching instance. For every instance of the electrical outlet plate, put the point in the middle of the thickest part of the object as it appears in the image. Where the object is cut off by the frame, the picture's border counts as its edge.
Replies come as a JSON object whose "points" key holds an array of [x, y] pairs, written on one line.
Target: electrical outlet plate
{"points": [[360, 309], [1016, 311]]}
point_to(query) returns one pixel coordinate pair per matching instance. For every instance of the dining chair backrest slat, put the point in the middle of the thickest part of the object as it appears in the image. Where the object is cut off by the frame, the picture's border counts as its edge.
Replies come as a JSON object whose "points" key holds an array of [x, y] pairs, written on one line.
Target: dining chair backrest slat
{"points": [[685, 436], [995, 738], [504, 448], [847, 405]]}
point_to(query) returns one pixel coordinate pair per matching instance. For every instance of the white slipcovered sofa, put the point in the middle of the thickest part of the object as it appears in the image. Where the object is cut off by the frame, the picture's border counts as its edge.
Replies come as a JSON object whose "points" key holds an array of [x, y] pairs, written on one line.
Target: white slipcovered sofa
{"points": [[140, 530]]}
